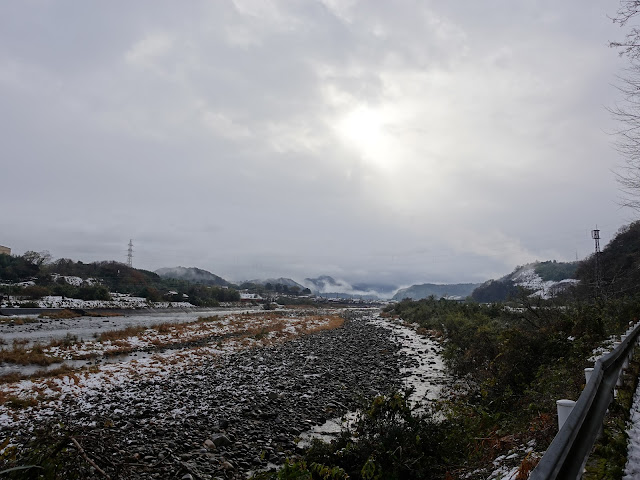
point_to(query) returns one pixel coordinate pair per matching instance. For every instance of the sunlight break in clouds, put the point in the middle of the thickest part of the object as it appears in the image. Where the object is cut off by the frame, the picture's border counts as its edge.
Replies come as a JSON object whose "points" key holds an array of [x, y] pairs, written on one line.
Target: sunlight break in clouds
{"points": [[321, 131], [366, 130]]}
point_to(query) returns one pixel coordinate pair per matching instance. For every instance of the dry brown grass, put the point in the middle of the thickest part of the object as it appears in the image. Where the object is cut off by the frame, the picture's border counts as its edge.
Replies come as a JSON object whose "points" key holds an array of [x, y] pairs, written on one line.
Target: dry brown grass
{"points": [[61, 315], [114, 335], [529, 463], [164, 328], [18, 320], [43, 373], [427, 333], [20, 403], [262, 330], [21, 355], [11, 378], [335, 321]]}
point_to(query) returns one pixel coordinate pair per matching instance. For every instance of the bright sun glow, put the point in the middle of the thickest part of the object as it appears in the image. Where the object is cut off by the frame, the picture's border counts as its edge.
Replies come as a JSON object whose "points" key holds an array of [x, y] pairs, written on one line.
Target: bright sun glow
{"points": [[364, 129]]}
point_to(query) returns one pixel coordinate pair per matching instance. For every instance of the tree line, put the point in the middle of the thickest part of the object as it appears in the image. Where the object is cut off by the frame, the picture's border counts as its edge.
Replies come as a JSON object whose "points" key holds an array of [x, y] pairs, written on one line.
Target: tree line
{"points": [[48, 278]]}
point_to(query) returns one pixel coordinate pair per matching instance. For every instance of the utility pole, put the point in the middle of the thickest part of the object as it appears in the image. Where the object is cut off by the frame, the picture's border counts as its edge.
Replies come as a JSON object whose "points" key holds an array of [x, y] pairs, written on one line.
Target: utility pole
{"points": [[130, 254], [595, 234]]}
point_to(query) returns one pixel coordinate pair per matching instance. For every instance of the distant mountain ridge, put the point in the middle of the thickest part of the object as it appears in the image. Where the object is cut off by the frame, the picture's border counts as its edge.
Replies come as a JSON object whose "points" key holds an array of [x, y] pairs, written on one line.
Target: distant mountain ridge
{"points": [[277, 281], [426, 290], [193, 274]]}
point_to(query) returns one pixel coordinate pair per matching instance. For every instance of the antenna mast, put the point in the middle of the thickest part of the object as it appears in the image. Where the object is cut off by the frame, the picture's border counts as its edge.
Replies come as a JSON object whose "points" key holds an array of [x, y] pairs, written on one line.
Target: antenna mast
{"points": [[595, 234], [130, 254]]}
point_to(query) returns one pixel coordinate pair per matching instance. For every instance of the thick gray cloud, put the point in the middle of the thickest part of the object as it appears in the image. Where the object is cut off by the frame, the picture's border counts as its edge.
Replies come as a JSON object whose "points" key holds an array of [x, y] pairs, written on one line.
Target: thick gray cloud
{"points": [[399, 141]]}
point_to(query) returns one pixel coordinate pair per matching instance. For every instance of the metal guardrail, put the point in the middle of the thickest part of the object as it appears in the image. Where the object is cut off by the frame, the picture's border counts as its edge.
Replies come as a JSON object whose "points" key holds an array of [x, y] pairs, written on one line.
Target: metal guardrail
{"points": [[569, 451]]}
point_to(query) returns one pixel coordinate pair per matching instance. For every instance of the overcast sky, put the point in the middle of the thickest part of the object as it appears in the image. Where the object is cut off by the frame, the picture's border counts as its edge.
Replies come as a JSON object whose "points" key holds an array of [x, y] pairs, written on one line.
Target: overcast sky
{"points": [[399, 141]]}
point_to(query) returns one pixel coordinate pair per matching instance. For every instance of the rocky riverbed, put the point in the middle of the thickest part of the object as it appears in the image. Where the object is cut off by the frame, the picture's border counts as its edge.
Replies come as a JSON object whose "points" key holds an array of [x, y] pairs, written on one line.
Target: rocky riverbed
{"points": [[233, 413]]}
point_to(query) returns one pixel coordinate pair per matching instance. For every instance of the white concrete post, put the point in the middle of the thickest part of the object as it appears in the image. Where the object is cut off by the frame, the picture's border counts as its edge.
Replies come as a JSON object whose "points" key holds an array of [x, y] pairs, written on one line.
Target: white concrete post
{"points": [[625, 364], [564, 410], [619, 381], [587, 374]]}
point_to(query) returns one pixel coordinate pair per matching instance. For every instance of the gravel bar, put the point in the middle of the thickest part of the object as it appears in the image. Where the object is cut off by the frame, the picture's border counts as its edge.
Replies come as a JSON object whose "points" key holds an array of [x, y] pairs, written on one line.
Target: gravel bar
{"points": [[235, 413]]}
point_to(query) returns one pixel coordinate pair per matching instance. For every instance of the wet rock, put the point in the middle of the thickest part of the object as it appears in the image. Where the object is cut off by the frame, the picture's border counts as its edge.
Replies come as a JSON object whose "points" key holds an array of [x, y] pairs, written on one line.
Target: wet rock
{"points": [[238, 411], [220, 440]]}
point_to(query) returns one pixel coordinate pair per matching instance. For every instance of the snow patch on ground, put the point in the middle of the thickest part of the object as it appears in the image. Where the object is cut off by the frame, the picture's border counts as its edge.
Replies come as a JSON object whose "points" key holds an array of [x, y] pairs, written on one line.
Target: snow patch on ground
{"points": [[427, 376], [632, 468], [233, 333]]}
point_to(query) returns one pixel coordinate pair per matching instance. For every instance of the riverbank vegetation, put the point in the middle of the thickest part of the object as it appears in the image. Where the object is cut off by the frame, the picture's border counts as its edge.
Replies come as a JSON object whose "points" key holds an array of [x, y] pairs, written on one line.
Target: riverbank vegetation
{"points": [[511, 361]]}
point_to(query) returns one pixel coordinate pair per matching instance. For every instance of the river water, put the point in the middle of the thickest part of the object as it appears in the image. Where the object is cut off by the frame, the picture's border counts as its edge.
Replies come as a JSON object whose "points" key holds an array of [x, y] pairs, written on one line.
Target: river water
{"points": [[425, 378], [43, 330]]}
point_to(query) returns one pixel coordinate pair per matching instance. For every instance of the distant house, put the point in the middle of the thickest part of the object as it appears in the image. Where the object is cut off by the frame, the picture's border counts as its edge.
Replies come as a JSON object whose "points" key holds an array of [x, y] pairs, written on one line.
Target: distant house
{"points": [[5, 250]]}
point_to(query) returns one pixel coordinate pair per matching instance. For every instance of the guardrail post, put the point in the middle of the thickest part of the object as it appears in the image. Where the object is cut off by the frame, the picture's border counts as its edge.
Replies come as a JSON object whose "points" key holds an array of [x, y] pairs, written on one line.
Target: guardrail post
{"points": [[564, 407], [619, 381], [587, 374], [625, 364]]}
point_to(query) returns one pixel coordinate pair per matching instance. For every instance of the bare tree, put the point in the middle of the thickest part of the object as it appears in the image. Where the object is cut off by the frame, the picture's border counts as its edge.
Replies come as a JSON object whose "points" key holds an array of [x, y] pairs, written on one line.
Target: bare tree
{"points": [[627, 114], [627, 111], [630, 46], [37, 258]]}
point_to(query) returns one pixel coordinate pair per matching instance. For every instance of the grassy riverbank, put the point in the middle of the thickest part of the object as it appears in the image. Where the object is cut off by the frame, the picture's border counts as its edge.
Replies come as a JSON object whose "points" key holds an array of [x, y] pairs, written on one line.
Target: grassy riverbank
{"points": [[512, 362]]}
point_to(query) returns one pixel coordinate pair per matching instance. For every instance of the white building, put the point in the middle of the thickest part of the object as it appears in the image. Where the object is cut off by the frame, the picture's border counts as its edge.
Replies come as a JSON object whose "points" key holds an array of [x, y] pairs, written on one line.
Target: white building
{"points": [[5, 250]]}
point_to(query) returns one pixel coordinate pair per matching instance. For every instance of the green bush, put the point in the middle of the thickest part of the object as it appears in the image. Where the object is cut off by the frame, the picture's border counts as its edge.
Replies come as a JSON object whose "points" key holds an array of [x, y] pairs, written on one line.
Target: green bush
{"points": [[392, 441]]}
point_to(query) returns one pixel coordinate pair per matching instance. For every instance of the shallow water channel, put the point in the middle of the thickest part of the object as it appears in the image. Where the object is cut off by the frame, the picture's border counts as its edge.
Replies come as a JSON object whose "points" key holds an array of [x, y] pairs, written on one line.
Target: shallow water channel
{"points": [[43, 330], [425, 377]]}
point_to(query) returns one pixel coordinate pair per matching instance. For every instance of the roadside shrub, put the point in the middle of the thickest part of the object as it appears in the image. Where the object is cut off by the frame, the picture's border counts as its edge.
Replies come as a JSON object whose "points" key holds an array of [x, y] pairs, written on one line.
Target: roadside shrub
{"points": [[392, 441], [514, 361]]}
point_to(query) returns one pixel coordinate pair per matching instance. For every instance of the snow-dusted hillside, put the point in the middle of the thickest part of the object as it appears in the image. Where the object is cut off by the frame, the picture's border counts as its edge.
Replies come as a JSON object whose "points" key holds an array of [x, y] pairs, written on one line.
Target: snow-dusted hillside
{"points": [[526, 277], [542, 279]]}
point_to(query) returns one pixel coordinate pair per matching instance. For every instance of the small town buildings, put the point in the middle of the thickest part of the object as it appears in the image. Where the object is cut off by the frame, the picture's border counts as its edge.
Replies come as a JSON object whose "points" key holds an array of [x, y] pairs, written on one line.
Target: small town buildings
{"points": [[5, 250]]}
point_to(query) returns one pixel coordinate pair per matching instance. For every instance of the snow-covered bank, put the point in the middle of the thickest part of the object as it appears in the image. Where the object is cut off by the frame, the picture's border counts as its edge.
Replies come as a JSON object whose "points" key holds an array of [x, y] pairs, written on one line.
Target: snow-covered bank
{"points": [[423, 372], [632, 468], [426, 375]]}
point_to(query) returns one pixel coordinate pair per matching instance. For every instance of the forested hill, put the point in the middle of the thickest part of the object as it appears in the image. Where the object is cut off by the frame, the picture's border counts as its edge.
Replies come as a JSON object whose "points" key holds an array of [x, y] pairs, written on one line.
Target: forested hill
{"points": [[194, 275], [619, 264], [543, 279], [426, 290], [96, 281]]}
